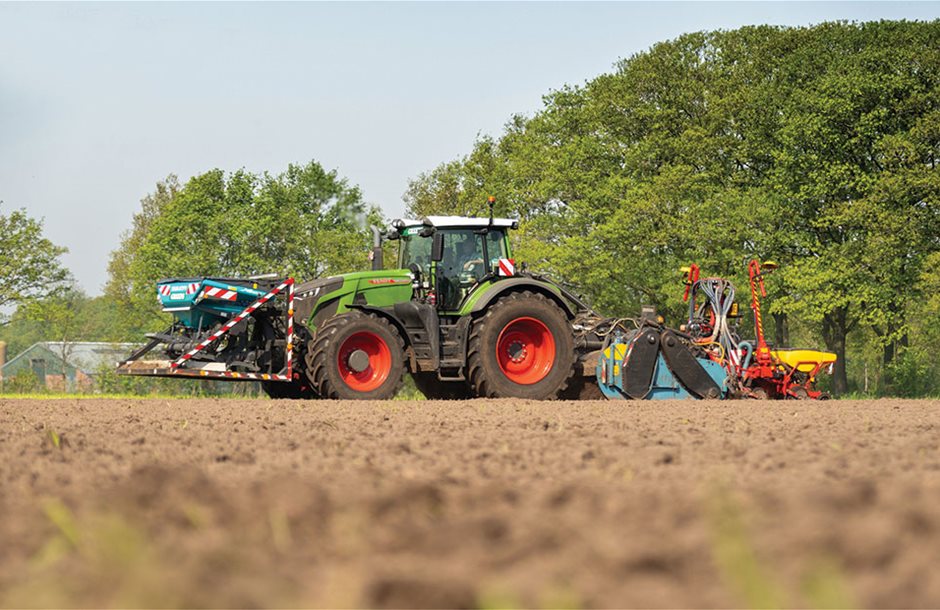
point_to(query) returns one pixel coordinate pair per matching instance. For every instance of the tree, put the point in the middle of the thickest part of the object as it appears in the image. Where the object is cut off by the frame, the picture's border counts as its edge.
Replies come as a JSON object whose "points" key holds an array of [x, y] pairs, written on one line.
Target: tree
{"points": [[857, 191], [29, 263], [131, 318], [306, 222], [68, 316]]}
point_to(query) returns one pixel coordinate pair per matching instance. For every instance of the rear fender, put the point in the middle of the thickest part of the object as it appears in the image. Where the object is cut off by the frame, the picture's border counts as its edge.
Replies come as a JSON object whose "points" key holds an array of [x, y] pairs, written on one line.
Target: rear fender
{"points": [[501, 288]]}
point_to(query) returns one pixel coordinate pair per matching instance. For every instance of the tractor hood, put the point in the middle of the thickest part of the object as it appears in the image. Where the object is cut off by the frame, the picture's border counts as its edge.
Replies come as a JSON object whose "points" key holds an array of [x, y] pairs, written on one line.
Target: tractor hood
{"points": [[319, 287], [338, 293]]}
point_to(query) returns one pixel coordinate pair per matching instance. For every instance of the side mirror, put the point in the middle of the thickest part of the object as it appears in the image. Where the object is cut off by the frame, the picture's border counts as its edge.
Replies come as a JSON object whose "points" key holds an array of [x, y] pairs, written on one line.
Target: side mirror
{"points": [[437, 247]]}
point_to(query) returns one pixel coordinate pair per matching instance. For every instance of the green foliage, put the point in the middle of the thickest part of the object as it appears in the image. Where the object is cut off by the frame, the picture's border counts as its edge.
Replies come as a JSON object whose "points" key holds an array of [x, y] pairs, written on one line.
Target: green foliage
{"points": [[25, 382], [67, 316], [752, 578], [816, 147], [135, 316], [914, 373], [306, 222], [29, 263]]}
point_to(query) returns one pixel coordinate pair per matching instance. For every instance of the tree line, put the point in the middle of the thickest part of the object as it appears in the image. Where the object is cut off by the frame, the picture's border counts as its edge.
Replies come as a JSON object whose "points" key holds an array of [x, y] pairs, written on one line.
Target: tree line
{"points": [[814, 147]]}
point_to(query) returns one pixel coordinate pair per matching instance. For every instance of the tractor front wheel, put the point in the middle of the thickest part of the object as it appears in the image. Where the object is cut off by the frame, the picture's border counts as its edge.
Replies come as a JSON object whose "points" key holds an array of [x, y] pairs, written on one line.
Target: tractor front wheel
{"points": [[522, 347], [356, 356]]}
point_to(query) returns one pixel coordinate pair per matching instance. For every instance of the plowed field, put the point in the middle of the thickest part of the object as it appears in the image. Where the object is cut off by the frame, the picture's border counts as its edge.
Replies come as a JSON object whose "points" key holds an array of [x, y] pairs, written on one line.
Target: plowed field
{"points": [[469, 504]]}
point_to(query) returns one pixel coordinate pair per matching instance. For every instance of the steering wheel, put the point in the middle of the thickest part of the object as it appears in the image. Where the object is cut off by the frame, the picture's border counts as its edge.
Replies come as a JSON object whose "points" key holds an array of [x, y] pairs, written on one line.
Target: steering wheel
{"points": [[467, 266]]}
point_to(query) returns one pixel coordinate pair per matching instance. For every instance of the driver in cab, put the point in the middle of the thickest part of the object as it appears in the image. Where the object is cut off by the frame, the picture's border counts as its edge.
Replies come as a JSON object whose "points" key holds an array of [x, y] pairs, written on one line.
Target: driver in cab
{"points": [[464, 262], [469, 260]]}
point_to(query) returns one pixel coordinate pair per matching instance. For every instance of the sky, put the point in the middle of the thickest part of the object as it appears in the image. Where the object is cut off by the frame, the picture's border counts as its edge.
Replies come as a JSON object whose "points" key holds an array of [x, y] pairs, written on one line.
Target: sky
{"points": [[99, 101]]}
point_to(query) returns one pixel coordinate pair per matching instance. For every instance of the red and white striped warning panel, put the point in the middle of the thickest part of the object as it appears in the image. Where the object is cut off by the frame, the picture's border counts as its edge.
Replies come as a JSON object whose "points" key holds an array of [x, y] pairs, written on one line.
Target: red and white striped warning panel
{"points": [[164, 290], [219, 293], [507, 267], [289, 285], [191, 288]]}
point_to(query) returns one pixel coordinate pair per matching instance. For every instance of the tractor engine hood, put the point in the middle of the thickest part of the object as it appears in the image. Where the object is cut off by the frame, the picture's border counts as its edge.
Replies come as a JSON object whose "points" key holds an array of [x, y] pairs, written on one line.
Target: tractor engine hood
{"points": [[306, 295], [313, 289]]}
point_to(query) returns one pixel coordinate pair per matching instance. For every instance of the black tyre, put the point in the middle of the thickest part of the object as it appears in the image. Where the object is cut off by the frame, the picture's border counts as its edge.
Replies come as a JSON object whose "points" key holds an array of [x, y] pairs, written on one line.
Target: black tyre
{"points": [[435, 389], [294, 390], [522, 347], [356, 356], [798, 393]]}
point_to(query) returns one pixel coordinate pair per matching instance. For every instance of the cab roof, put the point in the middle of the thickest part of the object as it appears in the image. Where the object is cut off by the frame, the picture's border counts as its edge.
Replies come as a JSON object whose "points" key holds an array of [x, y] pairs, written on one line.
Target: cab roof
{"points": [[449, 222]]}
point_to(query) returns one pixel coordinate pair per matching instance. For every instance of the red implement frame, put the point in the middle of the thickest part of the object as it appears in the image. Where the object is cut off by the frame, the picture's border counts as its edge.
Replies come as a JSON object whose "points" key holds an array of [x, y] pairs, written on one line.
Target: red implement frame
{"points": [[765, 372], [762, 356]]}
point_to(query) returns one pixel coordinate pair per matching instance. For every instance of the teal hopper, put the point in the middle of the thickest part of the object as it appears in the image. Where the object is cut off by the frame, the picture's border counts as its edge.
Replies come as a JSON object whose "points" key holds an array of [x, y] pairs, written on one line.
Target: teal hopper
{"points": [[203, 302]]}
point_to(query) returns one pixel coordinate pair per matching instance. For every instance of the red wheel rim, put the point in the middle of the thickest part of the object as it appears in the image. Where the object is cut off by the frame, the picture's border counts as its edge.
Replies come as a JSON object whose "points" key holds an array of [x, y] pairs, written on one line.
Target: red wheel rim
{"points": [[380, 361], [525, 351]]}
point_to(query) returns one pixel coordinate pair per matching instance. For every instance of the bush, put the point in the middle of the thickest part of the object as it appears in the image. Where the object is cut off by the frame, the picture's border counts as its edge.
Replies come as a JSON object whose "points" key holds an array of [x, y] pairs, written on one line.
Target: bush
{"points": [[25, 382], [913, 374]]}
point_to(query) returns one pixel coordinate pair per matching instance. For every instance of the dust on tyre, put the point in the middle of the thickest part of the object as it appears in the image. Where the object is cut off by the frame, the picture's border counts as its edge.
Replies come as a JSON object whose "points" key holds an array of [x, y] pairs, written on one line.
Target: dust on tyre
{"points": [[356, 356], [522, 347]]}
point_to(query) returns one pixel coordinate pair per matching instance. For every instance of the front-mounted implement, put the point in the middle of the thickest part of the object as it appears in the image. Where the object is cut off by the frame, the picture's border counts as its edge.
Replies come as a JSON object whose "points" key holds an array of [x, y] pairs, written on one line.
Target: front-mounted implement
{"points": [[223, 328]]}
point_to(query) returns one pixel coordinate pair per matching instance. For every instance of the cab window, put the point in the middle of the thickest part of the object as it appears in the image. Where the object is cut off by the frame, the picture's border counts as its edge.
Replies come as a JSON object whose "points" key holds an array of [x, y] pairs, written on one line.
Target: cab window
{"points": [[415, 250], [496, 246], [463, 255]]}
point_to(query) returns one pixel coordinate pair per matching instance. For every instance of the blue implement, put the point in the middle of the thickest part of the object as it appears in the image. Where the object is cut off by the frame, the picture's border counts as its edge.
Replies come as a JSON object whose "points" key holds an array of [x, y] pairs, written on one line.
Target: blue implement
{"points": [[615, 362]]}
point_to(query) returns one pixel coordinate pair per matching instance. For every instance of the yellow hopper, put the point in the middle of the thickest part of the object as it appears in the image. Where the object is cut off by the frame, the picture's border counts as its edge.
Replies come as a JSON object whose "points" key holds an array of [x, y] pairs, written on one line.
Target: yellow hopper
{"points": [[804, 360]]}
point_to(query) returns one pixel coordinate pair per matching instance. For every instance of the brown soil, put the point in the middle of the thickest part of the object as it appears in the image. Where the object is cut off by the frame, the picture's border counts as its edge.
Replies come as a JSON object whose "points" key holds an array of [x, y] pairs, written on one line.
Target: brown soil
{"points": [[469, 504]]}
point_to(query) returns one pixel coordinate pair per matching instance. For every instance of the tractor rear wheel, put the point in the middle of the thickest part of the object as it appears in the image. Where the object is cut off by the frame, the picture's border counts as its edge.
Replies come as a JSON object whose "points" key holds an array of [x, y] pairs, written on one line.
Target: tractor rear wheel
{"points": [[435, 389], [356, 356], [522, 347]]}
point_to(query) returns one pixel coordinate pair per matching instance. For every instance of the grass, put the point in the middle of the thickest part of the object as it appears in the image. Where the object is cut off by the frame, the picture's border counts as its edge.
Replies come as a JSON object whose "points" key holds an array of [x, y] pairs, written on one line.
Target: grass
{"points": [[86, 396], [823, 583], [109, 562]]}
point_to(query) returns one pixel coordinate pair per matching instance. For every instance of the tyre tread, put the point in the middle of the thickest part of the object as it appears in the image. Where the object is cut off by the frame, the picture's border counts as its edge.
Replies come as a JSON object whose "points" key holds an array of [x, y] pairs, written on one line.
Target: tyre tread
{"points": [[318, 353], [479, 384]]}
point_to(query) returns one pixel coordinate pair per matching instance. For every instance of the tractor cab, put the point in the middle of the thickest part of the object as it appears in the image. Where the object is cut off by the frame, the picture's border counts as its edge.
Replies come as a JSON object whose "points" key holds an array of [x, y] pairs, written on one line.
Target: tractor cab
{"points": [[450, 255]]}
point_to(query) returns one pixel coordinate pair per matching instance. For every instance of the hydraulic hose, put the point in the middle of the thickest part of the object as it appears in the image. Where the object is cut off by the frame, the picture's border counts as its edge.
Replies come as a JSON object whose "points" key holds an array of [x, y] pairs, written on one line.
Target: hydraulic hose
{"points": [[750, 353]]}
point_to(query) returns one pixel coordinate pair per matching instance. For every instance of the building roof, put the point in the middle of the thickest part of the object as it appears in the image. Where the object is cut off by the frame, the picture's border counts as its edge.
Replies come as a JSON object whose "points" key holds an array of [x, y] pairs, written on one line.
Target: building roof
{"points": [[87, 356]]}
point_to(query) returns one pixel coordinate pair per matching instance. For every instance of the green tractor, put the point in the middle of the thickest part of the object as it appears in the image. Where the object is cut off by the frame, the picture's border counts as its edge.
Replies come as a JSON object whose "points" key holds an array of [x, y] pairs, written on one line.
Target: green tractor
{"points": [[455, 313]]}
